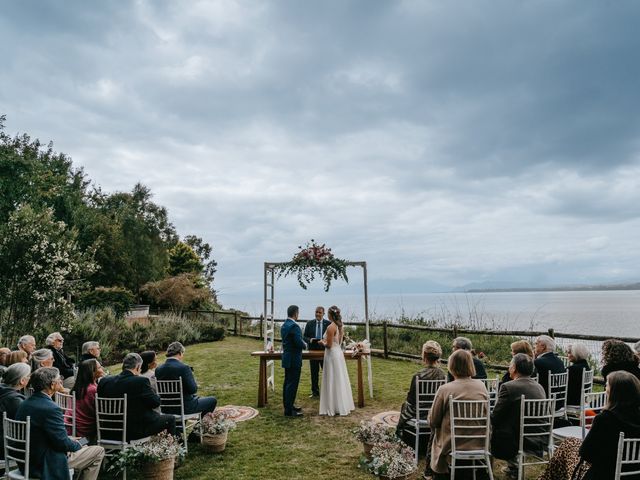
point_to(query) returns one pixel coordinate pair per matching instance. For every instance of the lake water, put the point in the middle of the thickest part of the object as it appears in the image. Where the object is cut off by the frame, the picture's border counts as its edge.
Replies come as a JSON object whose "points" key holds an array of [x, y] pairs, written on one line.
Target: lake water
{"points": [[614, 313]]}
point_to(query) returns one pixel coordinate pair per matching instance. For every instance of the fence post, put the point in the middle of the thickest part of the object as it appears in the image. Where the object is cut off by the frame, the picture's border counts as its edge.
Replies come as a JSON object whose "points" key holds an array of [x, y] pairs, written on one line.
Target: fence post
{"points": [[552, 333], [262, 326], [455, 331], [384, 339], [235, 323]]}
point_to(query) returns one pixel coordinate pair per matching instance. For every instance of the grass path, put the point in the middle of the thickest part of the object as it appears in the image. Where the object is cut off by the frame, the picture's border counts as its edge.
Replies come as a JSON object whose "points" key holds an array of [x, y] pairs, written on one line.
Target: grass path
{"points": [[272, 446]]}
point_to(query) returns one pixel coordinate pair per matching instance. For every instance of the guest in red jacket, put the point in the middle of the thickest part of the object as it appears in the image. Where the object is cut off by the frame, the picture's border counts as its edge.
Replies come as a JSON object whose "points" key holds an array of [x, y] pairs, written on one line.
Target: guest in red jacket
{"points": [[85, 388]]}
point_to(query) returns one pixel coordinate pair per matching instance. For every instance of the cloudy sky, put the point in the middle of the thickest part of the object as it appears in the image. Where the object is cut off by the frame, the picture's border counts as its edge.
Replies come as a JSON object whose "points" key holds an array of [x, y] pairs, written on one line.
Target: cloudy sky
{"points": [[444, 142]]}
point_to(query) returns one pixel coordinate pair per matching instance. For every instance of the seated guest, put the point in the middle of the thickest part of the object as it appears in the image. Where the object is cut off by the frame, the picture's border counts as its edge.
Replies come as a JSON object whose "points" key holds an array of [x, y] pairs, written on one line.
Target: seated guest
{"points": [[17, 356], [14, 379], [519, 346], [547, 361], [463, 387], [61, 361], [142, 420], [41, 358], [431, 353], [90, 350], [148, 370], [173, 369], [505, 418], [578, 355], [600, 446], [27, 344], [52, 451], [463, 343], [85, 388], [4, 355], [617, 355]]}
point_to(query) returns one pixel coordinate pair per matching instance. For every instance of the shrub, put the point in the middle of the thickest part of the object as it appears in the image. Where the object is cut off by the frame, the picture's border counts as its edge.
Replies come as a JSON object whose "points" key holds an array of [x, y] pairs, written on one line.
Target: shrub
{"points": [[209, 332], [117, 298]]}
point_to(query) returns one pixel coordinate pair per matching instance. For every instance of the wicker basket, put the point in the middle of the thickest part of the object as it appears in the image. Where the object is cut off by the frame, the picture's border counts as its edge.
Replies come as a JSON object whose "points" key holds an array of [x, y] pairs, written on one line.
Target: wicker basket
{"points": [[162, 470], [367, 450], [214, 443]]}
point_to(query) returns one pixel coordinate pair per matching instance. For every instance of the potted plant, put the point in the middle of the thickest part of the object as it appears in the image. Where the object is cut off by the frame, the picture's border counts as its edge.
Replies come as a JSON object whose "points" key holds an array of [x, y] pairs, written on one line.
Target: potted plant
{"points": [[370, 433], [152, 460], [392, 459], [215, 427]]}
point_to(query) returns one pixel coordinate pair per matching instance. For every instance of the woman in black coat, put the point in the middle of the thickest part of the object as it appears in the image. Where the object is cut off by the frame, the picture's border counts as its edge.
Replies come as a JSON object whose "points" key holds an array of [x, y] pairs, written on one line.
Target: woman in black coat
{"points": [[578, 355], [617, 355], [14, 379]]}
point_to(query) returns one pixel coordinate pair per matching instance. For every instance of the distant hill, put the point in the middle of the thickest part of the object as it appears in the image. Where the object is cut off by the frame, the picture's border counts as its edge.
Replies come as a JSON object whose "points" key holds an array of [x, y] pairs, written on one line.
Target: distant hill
{"points": [[569, 288]]}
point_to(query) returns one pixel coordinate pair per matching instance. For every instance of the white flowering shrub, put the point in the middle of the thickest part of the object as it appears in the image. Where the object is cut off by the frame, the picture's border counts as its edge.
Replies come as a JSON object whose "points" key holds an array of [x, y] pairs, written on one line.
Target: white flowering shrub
{"points": [[392, 459], [161, 447]]}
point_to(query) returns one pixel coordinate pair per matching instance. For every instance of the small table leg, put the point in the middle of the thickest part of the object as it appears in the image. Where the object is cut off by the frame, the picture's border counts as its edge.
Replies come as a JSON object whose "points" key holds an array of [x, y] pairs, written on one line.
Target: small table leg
{"points": [[262, 383], [360, 386]]}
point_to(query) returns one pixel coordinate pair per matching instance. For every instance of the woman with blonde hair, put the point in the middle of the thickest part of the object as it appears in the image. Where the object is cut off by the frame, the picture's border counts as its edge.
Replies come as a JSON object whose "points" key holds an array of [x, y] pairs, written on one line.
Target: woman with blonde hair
{"points": [[519, 346], [463, 387], [335, 393]]}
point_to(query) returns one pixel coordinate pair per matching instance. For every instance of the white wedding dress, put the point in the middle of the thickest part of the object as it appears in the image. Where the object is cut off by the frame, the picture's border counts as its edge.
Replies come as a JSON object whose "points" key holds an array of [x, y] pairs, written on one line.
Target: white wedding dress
{"points": [[335, 391]]}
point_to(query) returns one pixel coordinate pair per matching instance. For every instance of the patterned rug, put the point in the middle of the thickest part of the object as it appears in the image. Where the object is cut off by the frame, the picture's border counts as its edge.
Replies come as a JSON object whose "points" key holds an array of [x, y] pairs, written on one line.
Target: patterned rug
{"points": [[239, 414], [391, 418]]}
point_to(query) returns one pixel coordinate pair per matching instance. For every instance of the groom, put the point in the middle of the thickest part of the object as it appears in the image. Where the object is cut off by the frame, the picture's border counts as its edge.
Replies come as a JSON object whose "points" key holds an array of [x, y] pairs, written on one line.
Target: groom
{"points": [[292, 347], [313, 332]]}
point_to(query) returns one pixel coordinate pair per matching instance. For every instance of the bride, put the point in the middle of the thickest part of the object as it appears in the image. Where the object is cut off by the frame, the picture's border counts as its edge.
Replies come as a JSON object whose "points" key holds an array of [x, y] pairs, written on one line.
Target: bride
{"points": [[335, 392]]}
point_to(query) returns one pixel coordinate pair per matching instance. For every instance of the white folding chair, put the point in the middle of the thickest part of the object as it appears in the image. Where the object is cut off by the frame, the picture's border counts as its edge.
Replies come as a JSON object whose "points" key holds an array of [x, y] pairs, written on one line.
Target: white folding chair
{"points": [[586, 386], [470, 423], [425, 393], [16, 447], [628, 458], [557, 387], [565, 361], [171, 399], [111, 425], [67, 402], [492, 384], [536, 422], [593, 401]]}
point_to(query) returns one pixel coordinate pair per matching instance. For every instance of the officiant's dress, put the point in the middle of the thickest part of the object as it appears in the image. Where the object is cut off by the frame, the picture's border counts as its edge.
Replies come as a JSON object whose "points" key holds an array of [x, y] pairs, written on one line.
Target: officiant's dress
{"points": [[335, 391]]}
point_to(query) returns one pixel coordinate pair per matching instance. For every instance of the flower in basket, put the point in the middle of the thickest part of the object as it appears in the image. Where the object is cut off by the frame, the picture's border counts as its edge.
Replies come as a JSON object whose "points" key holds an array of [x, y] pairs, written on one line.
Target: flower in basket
{"points": [[374, 432], [391, 459], [312, 260], [215, 423], [160, 447]]}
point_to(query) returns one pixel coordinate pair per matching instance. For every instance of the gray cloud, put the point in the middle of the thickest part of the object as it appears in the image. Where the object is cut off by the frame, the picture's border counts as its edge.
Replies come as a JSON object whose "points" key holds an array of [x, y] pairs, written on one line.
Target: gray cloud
{"points": [[446, 142]]}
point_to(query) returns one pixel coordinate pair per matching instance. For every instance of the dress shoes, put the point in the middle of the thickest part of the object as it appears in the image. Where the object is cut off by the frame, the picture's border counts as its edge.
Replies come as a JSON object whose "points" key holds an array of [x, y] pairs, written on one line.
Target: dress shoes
{"points": [[297, 409], [294, 414], [314, 395]]}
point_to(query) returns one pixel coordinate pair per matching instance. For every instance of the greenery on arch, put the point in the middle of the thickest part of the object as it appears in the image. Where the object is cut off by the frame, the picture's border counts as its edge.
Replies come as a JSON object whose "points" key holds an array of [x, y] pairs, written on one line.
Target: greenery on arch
{"points": [[314, 260]]}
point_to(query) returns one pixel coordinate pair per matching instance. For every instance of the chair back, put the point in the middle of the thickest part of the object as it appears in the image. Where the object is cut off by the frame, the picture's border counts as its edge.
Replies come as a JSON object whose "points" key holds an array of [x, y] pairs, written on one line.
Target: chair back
{"points": [[67, 402], [593, 401], [565, 361], [491, 384], [558, 388], [469, 424], [628, 457], [536, 422], [16, 443], [171, 400], [111, 418], [425, 393], [587, 381]]}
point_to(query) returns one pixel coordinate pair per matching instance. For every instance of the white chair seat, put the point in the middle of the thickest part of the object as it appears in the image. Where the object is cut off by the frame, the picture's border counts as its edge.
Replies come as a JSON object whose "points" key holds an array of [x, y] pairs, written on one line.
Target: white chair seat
{"points": [[561, 412], [568, 432], [468, 454], [16, 475], [189, 416], [412, 422]]}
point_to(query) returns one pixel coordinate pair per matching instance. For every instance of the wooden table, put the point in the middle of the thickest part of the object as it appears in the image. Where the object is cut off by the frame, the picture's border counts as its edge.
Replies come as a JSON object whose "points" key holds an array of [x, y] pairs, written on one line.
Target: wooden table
{"points": [[306, 355]]}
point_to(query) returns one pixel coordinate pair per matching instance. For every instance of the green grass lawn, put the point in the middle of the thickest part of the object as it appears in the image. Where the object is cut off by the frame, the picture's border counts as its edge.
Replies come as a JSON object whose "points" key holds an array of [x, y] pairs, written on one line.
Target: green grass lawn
{"points": [[272, 446]]}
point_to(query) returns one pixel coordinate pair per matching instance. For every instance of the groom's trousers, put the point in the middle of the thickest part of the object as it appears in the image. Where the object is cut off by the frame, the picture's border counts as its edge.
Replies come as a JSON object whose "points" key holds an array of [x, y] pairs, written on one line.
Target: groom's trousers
{"points": [[290, 388]]}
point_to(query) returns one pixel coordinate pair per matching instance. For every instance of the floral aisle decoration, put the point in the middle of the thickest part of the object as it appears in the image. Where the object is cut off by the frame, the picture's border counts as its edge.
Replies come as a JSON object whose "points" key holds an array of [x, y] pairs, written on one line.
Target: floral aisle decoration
{"points": [[392, 459], [371, 433], [215, 428], [154, 459], [314, 260]]}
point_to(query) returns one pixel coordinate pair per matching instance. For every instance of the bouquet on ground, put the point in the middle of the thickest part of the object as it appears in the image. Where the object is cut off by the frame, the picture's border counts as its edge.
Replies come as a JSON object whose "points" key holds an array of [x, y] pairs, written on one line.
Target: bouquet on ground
{"points": [[218, 422], [162, 447], [391, 459], [373, 432]]}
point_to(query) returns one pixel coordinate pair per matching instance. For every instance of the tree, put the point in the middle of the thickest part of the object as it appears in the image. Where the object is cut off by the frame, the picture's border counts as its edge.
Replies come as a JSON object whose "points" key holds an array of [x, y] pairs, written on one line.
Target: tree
{"points": [[177, 293], [203, 250], [41, 269], [182, 259]]}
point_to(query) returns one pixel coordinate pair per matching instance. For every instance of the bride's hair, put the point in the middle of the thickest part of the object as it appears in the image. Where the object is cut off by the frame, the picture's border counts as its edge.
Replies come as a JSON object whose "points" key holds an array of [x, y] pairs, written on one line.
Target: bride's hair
{"points": [[335, 317]]}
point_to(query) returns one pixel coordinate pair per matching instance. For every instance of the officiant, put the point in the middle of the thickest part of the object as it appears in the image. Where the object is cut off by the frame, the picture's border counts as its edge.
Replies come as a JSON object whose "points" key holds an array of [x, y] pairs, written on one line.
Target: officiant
{"points": [[313, 333]]}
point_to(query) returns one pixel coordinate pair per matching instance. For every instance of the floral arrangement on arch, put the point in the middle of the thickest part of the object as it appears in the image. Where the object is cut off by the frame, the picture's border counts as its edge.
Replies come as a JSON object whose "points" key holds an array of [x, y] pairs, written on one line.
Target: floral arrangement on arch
{"points": [[312, 260]]}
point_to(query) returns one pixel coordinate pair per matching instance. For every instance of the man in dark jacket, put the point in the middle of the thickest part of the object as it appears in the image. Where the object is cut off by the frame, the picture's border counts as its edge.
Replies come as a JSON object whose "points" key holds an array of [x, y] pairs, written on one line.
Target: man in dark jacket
{"points": [[173, 369], [463, 343], [52, 451], [313, 332], [505, 418], [61, 361], [292, 347], [547, 361], [142, 420], [90, 351]]}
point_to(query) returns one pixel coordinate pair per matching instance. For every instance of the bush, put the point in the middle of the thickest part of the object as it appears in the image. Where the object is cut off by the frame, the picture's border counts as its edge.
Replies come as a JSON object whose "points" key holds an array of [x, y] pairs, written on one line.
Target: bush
{"points": [[117, 298], [209, 332]]}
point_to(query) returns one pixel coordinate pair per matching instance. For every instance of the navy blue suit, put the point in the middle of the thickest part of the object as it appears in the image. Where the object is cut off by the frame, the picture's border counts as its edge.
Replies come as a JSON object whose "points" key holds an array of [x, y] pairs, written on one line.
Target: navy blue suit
{"points": [[173, 369], [49, 440], [310, 332], [292, 347]]}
